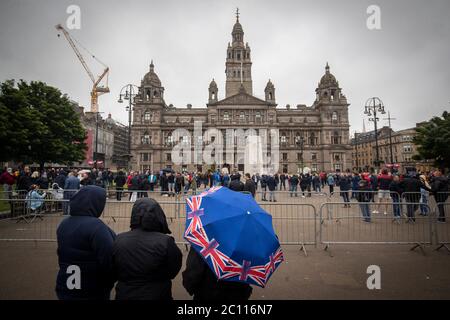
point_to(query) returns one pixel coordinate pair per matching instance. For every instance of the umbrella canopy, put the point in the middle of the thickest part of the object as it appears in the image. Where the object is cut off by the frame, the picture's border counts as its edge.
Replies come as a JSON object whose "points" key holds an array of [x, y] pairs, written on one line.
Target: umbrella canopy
{"points": [[168, 170], [234, 235]]}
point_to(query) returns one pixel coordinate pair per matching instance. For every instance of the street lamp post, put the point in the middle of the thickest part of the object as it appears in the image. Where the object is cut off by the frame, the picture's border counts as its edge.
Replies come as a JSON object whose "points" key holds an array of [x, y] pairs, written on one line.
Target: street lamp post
{"points": [[128, 92], [373, 106], [356, 152]]}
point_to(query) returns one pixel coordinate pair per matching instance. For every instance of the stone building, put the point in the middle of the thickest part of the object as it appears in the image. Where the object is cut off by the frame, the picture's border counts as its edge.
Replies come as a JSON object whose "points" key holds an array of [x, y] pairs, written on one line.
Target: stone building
{"points": [[315, 136], [403, 150], [112, 147]]}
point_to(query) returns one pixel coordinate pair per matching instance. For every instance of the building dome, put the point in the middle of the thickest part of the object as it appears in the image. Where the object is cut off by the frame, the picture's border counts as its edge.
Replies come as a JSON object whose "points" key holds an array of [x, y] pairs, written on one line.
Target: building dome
{"points": [[269, 85], [151, 77], [213, 84], [328, 80], [237, 28]]}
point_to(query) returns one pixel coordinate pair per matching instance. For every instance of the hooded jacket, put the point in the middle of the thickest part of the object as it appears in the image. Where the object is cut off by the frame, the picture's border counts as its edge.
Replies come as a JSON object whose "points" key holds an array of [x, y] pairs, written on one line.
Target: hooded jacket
{"points": [[85, 241], [146, 258]]}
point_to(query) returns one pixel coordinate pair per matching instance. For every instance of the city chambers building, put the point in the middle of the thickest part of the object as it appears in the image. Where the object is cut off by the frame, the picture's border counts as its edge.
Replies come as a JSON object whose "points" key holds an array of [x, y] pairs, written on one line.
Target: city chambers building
{"points": [[316, 136]]}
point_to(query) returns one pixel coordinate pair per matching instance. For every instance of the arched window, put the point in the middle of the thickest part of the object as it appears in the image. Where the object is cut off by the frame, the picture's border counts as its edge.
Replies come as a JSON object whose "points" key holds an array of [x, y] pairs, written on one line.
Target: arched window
{"points": [[169, 140], [335, 138], [147, 95], [283, 138], [334, 116], [312, 139], [146, 138], [155, 94], [270, 95], [242, 116], [258, 116], [298, 138]]}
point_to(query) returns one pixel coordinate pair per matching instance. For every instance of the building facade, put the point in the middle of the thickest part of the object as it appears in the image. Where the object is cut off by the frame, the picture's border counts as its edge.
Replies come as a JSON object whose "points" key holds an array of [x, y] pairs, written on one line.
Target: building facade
{"points": [[399, 142], [315, 136], [112, 147]]}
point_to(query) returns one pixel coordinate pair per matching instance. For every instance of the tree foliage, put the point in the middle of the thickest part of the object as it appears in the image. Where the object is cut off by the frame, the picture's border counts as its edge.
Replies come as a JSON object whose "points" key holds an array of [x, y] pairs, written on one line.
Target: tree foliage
{"points": [[433, 140], [39, 124]]}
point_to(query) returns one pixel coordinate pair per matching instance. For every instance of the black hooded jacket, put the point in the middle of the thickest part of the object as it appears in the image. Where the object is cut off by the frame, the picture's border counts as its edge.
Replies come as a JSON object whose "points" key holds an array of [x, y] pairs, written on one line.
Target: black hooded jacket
{"points": [[85, 241], [146, 258]]}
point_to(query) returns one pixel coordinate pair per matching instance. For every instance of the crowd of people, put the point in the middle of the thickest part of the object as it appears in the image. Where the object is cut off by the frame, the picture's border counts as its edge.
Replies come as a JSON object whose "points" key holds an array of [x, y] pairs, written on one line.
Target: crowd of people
{"points": [[390, 188], [365, 186]]}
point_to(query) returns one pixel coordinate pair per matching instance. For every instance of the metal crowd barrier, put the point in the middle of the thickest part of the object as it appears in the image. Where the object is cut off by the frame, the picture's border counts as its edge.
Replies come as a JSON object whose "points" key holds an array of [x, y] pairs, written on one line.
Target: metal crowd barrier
{"points": [[374, 195], [347, 225], [442, 229], [20, 222], [294, 223], [306, 197]]}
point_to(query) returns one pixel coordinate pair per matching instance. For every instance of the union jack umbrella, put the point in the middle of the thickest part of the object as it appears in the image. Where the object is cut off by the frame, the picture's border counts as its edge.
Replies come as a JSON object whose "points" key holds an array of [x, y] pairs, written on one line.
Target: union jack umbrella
{"points": [[234, 235]]}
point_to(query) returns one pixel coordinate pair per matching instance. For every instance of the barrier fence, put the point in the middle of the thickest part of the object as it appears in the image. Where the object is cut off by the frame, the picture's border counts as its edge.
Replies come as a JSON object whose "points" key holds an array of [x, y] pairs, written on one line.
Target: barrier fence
{"points": [[359, 224], [295, 223], [442, 229]]}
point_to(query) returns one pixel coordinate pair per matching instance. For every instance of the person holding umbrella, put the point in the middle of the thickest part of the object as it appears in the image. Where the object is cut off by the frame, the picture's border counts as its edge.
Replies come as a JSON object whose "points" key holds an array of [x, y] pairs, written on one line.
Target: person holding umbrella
{"points": [[233, 246]]}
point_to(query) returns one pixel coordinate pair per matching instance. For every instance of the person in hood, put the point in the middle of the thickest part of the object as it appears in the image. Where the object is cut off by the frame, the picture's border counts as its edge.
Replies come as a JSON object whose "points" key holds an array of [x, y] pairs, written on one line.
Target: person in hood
{"points": [[85, 246], [146, 258]]}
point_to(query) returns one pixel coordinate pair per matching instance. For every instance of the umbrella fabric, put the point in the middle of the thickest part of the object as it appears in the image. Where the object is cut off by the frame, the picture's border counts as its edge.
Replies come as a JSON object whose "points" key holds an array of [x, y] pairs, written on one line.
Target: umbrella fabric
{"points": [[234, 235], [168, 170]]}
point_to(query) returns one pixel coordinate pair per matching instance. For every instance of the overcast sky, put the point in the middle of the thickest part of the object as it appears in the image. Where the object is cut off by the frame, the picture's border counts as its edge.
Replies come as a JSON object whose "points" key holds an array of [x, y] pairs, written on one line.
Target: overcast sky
{"points": [[406, 63]]}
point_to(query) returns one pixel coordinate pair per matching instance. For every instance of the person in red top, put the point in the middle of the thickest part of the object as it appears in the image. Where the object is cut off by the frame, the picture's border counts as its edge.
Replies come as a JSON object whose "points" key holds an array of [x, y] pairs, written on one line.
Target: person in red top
{"points": [[7, 179], [384, 181]]}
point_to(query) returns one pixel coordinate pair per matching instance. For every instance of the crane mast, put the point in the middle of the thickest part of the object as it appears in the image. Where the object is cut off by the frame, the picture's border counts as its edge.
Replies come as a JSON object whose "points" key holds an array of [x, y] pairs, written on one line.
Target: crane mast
{"points": [[97, 90]]}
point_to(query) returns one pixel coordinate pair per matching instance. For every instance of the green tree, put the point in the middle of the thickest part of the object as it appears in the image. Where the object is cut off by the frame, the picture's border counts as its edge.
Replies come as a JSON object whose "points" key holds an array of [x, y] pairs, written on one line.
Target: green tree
{"points": [[39, 124], [433, 140]]}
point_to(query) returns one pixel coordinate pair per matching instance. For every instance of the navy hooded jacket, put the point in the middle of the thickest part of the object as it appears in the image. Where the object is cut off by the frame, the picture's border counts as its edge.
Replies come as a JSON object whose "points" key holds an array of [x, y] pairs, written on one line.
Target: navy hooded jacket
{"points": [[85, 241], [146, 258]]}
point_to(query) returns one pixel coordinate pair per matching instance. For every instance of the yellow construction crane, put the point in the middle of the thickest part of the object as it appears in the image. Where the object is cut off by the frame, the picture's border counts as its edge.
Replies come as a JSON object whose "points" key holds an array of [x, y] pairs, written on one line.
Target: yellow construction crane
{"points": [[96, 88]]}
